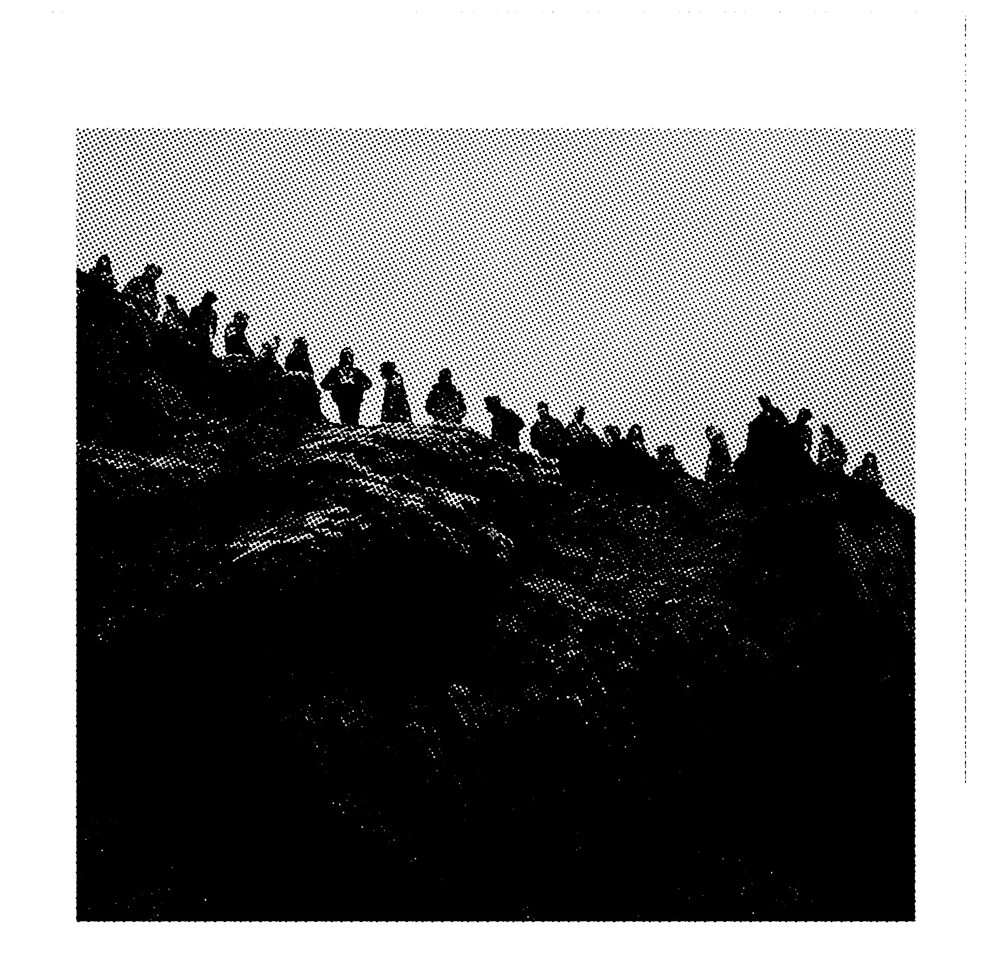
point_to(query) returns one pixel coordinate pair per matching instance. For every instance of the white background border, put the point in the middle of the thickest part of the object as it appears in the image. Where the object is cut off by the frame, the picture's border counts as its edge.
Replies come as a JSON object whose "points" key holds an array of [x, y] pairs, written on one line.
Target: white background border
{"points": [[298, 64]]}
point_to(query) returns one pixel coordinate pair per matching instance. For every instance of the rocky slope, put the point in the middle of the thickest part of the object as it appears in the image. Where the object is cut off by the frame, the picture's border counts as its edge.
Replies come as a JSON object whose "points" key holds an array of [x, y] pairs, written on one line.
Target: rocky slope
{"points": [[396, 672]]}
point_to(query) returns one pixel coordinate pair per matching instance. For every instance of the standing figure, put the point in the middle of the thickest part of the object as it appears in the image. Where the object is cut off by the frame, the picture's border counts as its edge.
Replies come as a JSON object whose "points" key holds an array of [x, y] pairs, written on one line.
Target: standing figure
{"points": [[801, 433], [579, 433], [347, 386], [101, 276], [236, 335], [719, 461], [140, 292], [445, 401], [831, 456], [637, 440], [204, 322], [548, 437], [867, 472], [395, 407], [507, 424], [298, 357]]}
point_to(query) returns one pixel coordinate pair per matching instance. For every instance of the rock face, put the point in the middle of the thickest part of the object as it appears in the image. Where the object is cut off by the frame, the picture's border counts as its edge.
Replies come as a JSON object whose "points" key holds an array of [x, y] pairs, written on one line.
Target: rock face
{"points": [[395, 672]]}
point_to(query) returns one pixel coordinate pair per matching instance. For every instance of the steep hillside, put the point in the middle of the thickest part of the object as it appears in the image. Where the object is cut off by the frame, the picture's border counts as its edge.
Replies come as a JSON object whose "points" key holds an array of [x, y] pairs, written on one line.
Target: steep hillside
{"points": [[397, 672]]}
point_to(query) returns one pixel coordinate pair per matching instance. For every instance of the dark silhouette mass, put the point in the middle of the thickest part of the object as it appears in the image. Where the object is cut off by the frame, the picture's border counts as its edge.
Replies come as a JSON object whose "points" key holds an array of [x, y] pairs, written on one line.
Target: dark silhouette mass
{"points": [[204, 322], [548, 437], [236, 335], [719, 462], [507, 424], [140, 292], [404, 673], [831, 456], [298, 357], [347, 385], [445, 401], [395, 407]]}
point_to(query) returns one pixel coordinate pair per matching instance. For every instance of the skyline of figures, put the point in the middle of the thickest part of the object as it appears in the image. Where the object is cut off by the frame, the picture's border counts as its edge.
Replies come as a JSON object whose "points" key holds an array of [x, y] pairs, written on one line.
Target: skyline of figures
{"points": [[772, 442]]}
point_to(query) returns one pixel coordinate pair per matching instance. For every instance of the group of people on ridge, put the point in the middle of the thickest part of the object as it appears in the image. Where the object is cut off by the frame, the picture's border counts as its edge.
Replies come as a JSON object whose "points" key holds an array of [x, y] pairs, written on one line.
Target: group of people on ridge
{"points": [[773, 442]]}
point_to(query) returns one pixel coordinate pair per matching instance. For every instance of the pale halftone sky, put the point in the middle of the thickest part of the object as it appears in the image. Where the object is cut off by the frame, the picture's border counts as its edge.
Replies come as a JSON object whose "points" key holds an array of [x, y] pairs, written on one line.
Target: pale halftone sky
{"points": [[656, 276]]}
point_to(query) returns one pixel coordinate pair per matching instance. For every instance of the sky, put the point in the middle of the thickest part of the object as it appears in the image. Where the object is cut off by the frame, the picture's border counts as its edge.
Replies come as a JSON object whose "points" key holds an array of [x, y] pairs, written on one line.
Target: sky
{"points": [[656, 276]]}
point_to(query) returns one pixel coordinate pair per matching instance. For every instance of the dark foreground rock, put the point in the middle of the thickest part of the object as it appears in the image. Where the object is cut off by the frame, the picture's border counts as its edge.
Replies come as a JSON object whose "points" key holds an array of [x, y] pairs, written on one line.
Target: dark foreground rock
{"points": [[397, 673]]}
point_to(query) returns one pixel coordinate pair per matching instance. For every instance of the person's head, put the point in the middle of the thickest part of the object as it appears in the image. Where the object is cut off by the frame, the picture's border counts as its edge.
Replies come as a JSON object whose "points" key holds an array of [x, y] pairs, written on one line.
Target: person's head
{"points": [[347, 357], [543, 410], [387, 369], [240, 320], [869, 459], [826, 431], [152, 271], [579, 413], [765, 402], [612, 433], [635, 434], [445, 376], [171, 301], [209, 298], [266, 350], [104, 263], [299, 342], [804, 415], [492, 403]]}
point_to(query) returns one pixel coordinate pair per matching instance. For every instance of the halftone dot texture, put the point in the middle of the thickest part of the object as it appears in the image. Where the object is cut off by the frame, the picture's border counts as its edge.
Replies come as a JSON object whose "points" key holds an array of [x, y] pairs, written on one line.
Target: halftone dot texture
{"points": [[665, 277]]}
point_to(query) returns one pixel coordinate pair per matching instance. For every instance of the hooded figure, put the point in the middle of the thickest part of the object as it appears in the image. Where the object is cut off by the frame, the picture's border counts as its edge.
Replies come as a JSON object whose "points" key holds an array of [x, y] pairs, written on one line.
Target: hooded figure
{"points": [[236, 335], [140, 292], [445, 401], [395, 407], [867, 472], [507, 424], [270, 367], [347, 386], [719, 461], [298, 357], [831, 456], [548, 437]]}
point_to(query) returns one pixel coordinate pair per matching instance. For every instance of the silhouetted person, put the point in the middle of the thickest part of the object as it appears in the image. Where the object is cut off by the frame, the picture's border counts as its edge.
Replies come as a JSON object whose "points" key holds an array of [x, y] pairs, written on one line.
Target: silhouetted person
{"points": [[579, 433], [204, 322], [395, 407], [637, 440], [831, 456], [613, 434], [175, 320], [867, 472], [236, 335], [267, 360], [140, 292], [445, 401], [668, 461], [298, 357], [507, 424], [719, 462], [801, 433], [101, 276], [347, 386], [547, 434]]}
